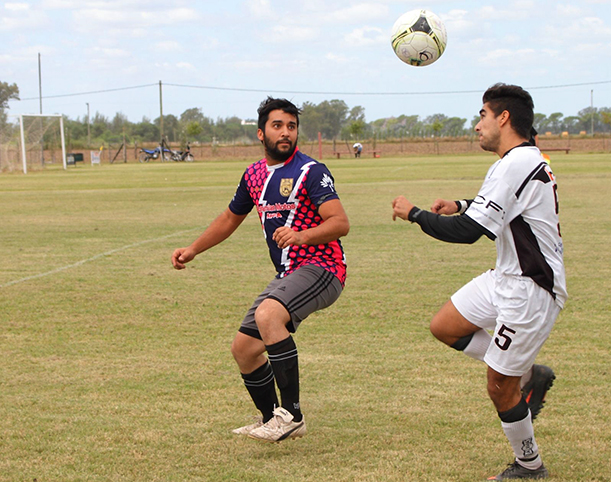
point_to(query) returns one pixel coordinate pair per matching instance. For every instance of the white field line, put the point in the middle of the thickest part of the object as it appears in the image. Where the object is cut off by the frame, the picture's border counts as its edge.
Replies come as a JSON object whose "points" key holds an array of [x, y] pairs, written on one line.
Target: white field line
{"points": [[93, 258]]}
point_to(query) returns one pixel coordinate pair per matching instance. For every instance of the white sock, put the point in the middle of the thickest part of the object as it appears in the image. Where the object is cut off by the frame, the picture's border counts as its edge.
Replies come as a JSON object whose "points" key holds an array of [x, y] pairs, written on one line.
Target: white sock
{"points": [[521, 436], [478, 346]]}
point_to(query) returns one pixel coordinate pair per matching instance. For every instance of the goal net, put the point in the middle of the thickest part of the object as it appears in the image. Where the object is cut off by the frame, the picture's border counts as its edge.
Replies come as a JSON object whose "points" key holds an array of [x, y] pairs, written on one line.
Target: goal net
{"points": [[32, 142]]}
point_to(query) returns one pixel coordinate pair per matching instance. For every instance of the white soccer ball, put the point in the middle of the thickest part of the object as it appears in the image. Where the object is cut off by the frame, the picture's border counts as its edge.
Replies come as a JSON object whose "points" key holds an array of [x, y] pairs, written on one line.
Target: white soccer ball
{"points": [[419, 37]]}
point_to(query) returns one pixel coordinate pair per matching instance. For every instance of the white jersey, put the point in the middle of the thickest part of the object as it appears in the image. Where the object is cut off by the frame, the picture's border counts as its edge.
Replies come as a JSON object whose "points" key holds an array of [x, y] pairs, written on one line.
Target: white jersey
{"points": [[518, 203]]}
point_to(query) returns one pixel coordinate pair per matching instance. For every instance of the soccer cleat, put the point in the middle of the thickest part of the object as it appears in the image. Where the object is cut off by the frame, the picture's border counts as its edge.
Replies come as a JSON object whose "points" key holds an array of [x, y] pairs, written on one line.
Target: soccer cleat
{"points": [[534, 391], [516, 471], [246, 429], [280, 427]]}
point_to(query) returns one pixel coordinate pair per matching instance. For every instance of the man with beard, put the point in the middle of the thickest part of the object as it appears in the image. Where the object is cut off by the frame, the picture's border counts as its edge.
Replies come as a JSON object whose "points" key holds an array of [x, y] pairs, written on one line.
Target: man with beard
{"points": [[517, 207], [302, 220]]}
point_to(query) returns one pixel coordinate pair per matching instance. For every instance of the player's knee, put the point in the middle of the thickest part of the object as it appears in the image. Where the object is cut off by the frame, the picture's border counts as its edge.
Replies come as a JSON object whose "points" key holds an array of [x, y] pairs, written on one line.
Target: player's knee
{"points": [[263, 315], [437, 328], [237, 350], [270, 312]]}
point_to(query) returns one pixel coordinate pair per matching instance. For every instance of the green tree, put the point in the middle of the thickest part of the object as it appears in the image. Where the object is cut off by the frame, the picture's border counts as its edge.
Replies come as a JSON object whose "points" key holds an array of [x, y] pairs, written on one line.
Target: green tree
{"points": [[310, 120], [8, 92], [328, 118], [193, 130], [145, 131], [99, 125], [357, 113], [606, 118], [334, 114], [171, 127], [540, 122], [555, 122]]}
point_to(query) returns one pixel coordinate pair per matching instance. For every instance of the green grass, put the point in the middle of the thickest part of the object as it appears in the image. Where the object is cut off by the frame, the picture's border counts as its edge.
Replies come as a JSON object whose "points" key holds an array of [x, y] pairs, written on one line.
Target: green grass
{"points": [[115, 367]]}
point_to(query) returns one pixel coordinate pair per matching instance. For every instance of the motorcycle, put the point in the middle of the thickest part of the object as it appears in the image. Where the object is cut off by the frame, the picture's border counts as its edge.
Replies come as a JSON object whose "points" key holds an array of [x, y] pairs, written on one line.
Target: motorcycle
{"points": [[181, 156], [147, 154]]}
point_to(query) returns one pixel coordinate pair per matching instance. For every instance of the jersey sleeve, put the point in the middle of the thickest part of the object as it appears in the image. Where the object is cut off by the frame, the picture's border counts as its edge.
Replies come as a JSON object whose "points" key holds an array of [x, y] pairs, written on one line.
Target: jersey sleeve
{"points": [[451, 229], [320, 184], [242, 202], [492, 205]]}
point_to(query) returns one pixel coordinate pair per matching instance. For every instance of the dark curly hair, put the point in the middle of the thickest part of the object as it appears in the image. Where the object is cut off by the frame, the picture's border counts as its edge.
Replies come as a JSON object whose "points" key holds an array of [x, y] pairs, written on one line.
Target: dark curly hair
{"points": [[271, 104]]}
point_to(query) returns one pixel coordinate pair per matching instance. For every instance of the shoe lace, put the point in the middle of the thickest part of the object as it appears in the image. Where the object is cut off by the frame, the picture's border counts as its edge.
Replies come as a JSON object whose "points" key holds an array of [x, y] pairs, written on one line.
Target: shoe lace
{"points": [[275, 423]]}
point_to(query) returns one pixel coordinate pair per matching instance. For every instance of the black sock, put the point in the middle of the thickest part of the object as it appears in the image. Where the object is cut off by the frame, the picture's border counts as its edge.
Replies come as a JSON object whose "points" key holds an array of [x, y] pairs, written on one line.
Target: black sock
{"points": [[260, 385], [283, 358]]}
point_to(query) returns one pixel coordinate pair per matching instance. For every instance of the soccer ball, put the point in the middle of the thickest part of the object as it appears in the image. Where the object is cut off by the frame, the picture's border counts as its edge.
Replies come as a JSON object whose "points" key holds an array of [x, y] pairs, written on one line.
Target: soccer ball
{"points": [[419, 37]]}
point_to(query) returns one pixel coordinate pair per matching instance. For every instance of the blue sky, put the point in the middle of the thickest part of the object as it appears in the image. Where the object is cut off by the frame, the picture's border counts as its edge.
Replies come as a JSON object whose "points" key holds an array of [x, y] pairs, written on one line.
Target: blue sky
{"points": [[310, 50]]}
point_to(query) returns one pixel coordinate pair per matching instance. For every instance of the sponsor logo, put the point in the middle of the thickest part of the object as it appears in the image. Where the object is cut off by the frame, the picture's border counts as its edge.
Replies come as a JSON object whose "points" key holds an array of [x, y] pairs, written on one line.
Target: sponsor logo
{"points": [[276, 207], [327, 181], [528, 448], [489, 204]]}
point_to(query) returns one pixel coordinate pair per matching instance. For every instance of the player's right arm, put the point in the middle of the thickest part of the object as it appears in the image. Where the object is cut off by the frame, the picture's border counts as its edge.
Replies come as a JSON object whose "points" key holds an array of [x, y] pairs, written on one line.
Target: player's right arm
{"points": [[218, 231], [444, 206]]}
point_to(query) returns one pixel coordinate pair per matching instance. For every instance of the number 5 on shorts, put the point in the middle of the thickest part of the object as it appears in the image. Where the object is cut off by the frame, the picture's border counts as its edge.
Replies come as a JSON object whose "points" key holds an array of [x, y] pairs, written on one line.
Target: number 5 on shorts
{"points": [[506, 340]]}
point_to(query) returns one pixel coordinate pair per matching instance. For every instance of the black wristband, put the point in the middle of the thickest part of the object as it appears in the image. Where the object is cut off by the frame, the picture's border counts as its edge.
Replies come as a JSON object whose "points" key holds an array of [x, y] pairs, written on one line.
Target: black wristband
{"points": [[413, 214]]}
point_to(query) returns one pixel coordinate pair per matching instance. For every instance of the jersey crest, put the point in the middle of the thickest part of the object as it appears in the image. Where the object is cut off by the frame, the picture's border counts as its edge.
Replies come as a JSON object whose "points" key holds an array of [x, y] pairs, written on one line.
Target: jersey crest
{"points": [[286, 187]]}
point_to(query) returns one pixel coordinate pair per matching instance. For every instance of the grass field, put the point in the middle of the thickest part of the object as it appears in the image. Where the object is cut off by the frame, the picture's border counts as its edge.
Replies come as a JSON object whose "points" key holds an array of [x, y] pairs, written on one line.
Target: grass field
{"points": [[115, 367]]}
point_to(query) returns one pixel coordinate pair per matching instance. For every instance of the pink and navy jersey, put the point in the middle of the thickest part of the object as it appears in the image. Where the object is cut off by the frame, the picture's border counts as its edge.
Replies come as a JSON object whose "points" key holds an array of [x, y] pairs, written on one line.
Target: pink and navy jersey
{"points": [[289, 194]]}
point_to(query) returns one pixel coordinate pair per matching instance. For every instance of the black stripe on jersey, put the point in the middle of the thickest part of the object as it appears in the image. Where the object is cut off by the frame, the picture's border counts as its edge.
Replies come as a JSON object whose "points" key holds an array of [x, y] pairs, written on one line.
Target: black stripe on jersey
{"points": [[312, 292], [532, 261], [538, 173]]}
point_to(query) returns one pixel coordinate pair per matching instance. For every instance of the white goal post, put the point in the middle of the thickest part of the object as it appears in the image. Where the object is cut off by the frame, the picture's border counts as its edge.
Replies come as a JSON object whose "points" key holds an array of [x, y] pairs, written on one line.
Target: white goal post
{"points": [[30, 136]]}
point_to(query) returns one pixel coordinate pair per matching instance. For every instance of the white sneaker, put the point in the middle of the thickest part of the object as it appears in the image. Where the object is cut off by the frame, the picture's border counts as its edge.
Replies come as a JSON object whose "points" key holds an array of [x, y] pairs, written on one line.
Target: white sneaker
{"points": [[280, 427], [246, 429]]}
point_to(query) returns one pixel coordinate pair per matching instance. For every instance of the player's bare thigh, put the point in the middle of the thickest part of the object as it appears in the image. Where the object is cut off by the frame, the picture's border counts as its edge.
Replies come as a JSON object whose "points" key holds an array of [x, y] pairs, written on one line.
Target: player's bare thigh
{"points": [[448, 325]]}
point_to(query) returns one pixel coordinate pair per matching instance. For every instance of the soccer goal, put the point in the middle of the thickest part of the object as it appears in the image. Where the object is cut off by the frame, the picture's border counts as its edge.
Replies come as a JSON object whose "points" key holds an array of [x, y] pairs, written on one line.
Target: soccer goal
{"points": [[36, 141]]}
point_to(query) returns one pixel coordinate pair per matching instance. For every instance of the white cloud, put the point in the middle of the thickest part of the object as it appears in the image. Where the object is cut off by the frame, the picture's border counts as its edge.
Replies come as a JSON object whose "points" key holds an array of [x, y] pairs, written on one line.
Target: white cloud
{"points": [[21, 17], [122, 18], [290, 33], [112, 53], [458, 21], [168, 46], [333, 57], [185, 66], [362, 12], [259, 8], [506, 56], [366, 36], [570, 11], [14, 7]]}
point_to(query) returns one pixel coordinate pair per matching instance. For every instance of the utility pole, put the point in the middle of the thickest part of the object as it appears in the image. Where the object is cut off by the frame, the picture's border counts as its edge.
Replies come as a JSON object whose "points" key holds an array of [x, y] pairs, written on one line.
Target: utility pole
{"points": [[88, 127], [592, 113], [160, 114], [42, 144]]}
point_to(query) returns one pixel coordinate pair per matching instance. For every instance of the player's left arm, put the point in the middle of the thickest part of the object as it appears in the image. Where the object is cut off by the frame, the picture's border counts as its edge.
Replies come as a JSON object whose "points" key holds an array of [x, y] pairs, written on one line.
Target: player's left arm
{"points": [[335, 225], [452, 229]]}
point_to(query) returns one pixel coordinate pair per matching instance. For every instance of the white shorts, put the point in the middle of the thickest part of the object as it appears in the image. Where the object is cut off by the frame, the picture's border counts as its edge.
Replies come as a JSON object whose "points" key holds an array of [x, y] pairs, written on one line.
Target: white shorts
{"points": [[520, 312]]}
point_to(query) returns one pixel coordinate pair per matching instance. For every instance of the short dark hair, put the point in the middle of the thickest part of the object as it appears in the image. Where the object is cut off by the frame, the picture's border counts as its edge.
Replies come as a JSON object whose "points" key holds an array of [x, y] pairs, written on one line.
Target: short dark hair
{"points": [[515, 100], [271, 104]]}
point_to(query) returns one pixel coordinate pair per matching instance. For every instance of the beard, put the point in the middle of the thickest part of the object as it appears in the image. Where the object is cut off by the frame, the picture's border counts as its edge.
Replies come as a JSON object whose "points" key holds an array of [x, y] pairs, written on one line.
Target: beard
{"points": [[491, 143], [277, 152]]}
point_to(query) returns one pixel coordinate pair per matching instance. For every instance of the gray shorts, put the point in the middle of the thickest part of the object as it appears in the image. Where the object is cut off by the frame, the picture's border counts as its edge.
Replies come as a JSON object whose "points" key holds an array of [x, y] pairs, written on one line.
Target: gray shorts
{"points": [[309, 289]]}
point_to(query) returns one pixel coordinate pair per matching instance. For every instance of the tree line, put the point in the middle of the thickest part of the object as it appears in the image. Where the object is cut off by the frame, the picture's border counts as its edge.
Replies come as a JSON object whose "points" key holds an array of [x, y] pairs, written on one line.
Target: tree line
{"points": [[334, 119]]}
